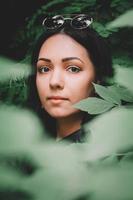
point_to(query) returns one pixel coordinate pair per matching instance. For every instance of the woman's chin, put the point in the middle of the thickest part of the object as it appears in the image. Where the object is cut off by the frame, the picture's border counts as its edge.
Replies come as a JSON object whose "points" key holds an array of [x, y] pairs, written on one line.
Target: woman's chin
{"points": [[58, 115], [63, 113]]}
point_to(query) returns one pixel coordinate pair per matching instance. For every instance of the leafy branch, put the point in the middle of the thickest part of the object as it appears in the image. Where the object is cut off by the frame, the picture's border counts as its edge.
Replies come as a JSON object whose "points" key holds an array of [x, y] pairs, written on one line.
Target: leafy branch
{"points": [[110, 97]]}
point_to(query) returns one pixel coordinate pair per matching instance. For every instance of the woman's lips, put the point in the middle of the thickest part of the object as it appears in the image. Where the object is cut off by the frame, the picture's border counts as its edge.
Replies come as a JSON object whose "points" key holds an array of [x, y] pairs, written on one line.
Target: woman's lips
{"points": [[57, 98]]}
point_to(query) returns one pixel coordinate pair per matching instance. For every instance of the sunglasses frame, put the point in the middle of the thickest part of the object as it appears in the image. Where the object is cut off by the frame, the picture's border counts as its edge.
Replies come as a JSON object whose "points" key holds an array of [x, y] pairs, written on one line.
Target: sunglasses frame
{"points": [[68, 18]]}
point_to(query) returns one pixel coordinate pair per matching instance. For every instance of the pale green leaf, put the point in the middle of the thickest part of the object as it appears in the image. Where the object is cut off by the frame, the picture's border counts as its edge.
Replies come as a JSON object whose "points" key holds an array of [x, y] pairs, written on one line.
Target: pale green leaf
{"points": [[128, 157], [94, 105], [111, 133], [9, 177], [122, 92], [61, 173], [124, 77], [11, 70], [106, 94], [19, 128], [125, 19], [112, 183]]}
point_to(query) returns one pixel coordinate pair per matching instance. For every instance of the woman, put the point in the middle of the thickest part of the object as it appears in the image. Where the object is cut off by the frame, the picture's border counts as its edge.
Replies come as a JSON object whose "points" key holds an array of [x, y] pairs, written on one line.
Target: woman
{"points": [[68, 57]]}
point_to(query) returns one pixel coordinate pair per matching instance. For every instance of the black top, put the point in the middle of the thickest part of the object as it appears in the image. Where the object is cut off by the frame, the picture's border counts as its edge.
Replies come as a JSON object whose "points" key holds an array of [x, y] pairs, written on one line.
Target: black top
{"points": [[75, 137]]}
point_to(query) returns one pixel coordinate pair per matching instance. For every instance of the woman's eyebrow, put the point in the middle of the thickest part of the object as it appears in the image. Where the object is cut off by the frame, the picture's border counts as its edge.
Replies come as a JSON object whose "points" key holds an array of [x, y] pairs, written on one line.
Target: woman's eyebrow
{"points": [[63, 60], [71, 58], [44, 59]]}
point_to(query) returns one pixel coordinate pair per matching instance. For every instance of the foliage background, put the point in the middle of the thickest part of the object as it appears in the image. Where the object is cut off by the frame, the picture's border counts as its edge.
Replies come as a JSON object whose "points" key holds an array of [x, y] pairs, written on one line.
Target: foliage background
{"points": [[28, 169], [120, 39]]}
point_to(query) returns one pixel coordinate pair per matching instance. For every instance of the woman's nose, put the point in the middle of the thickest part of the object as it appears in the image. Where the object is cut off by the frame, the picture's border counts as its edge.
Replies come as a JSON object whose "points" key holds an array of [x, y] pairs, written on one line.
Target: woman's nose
{"points": [[56, 80]]}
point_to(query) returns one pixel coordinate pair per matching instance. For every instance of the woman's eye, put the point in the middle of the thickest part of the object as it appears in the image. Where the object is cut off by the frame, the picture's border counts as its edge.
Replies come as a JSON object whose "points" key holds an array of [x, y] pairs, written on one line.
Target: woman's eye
{"points": [[44, 69], [73, 69]]}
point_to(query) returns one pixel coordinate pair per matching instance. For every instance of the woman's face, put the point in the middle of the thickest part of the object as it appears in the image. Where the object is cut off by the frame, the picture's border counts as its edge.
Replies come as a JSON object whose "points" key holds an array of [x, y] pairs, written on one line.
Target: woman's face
{"points": [[64, 75]]}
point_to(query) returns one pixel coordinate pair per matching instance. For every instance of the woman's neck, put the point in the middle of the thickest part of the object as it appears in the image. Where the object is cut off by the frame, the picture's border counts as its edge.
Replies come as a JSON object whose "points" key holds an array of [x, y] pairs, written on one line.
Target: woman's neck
{"points": [[67, 125]]}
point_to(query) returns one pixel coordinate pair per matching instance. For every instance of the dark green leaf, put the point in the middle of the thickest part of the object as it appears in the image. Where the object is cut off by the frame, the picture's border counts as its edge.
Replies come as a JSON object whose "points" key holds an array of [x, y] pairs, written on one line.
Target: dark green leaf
{"points": [[102, 30]]}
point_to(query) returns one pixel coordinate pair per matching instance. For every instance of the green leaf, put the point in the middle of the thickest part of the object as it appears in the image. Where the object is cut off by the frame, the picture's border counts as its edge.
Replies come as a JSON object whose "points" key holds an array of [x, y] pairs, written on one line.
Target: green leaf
{"points": [[102, 30], [56, 178], [123, 60], [109, 95], [128, 157], [124, 20], [111, 133], [113, 183], [123, 93], [19, 128], [11, 70], [124, 77], [94, 105]]}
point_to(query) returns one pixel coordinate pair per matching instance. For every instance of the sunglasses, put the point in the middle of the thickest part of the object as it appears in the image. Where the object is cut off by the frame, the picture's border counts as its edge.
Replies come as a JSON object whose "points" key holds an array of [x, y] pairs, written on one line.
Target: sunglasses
{"points": [[80, 21]]}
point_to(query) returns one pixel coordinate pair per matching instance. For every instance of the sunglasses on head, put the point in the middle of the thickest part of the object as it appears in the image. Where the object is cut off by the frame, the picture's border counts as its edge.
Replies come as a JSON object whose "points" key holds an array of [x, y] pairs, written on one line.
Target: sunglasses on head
{"points": [[80, 21]]}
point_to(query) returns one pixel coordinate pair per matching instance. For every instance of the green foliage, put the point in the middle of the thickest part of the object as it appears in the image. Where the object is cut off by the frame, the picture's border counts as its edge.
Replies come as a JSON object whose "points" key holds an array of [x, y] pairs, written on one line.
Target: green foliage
{"points": [[102, 11], [12, 71], [122, 93], [14, 119], [13, 86], [108, 94], [124, 20], [112, 97], [69, 171], [102, 30], [124, 76], [94, 105], [36, 168], [111, 134], [14, 92], [125, 61], [120, 6]]}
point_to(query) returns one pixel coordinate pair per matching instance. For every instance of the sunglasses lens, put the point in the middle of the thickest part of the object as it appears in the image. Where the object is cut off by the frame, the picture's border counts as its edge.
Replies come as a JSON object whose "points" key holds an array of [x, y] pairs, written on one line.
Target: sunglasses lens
{"points": [[81, 21], [53, 22]]}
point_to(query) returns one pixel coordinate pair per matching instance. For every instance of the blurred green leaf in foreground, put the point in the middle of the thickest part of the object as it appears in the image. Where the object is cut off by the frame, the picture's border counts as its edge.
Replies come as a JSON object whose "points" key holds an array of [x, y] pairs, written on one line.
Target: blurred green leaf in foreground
{"points": [[10, 70], [125, 19], [19, 128], [13, 77]]}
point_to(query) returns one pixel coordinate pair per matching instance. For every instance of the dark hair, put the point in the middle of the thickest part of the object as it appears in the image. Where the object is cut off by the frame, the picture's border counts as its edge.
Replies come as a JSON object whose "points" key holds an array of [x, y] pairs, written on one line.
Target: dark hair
{"points": [[99, 54]]}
